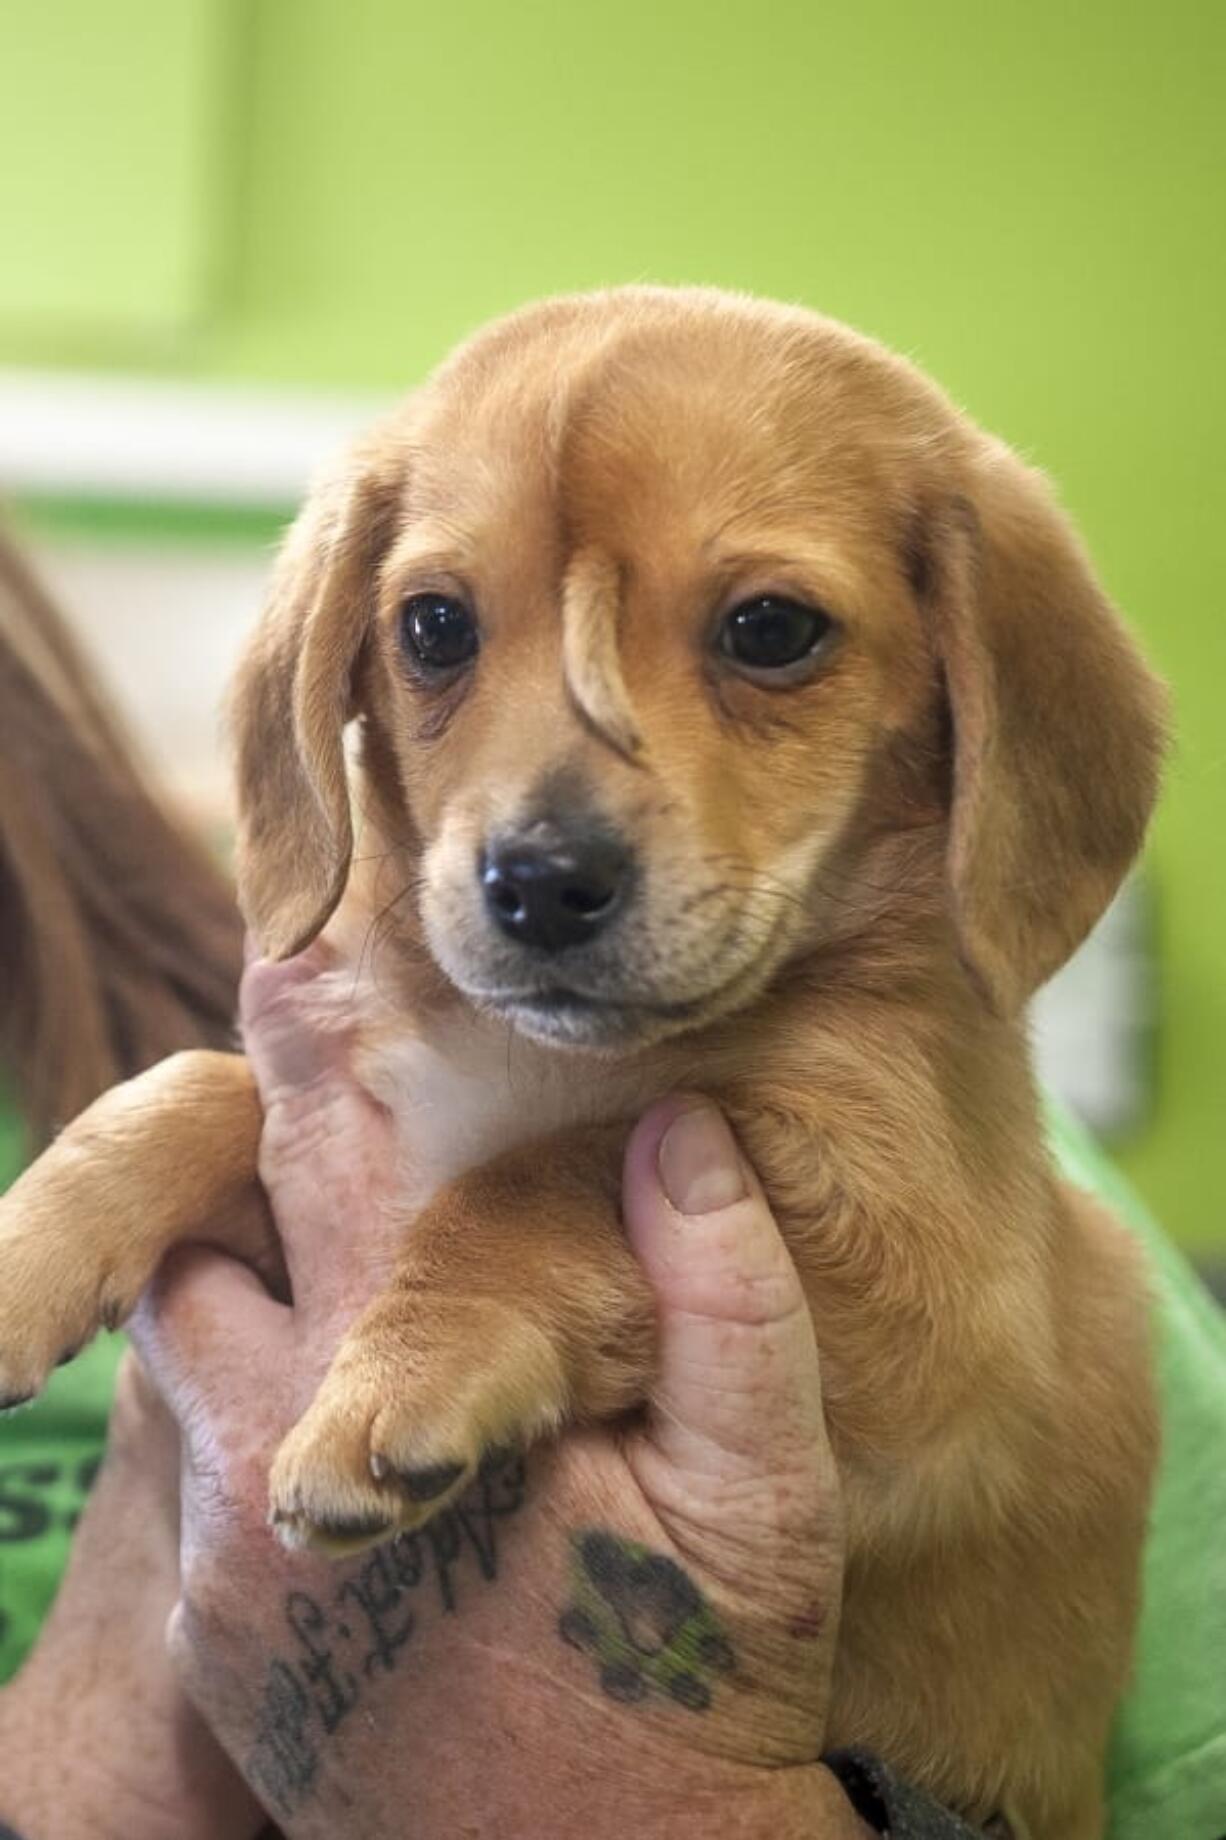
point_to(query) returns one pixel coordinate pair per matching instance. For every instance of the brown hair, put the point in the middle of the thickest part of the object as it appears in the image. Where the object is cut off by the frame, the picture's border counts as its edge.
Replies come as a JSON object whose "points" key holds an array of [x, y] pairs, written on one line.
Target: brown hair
{"points": [[119, 937]]}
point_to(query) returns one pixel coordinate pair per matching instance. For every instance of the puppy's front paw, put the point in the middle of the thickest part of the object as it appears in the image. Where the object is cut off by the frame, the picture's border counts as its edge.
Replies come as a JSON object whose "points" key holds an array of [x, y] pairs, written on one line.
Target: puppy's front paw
{"points": [[56, 1291], [411, 1404]]}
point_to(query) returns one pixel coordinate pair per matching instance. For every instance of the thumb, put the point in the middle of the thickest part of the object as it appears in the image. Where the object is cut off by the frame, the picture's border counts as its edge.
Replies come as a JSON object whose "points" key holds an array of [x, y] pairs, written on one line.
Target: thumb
{"points": [[738, 1396]]}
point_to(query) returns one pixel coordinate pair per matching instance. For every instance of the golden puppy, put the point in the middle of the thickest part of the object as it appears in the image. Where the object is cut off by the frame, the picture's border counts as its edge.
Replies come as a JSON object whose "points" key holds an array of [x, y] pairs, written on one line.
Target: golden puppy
{"points": [[730, 712]]}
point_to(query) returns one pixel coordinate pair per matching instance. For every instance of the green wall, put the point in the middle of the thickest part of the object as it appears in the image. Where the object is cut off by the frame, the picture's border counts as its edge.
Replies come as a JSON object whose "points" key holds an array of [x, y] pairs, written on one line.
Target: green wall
{"points": [[1027, 199]]}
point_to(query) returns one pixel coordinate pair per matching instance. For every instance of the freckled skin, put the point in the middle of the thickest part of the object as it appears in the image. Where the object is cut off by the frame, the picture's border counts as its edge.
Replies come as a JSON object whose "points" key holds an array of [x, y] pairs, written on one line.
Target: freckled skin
{"points": [[809, 1626]]}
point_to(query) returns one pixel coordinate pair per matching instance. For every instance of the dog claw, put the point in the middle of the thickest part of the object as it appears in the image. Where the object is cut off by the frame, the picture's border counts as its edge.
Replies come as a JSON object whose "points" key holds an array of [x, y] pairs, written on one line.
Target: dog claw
{"points": [[340, 1535], [357, 1529], [431, 1481]]}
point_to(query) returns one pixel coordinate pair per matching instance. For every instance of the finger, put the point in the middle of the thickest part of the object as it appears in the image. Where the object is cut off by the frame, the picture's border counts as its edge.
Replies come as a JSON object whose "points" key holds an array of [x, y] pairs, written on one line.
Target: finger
{"points": [[292, 1030], [328, 1163], [269, 980], [738, 1394], [327, 1154], [208, 1335], [141, 1423]]}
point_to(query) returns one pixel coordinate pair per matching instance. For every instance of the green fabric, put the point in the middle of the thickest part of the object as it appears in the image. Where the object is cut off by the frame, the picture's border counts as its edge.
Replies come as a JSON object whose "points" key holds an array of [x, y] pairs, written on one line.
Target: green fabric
{"points": [[10, 1141], [49, 1454], [1168, 1756], [1168, 1759]]}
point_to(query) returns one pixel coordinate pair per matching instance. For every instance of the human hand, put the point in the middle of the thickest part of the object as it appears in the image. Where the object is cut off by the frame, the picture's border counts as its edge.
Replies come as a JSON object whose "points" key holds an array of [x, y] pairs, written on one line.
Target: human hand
{"points": [[635, 1631], [98, 1740]]}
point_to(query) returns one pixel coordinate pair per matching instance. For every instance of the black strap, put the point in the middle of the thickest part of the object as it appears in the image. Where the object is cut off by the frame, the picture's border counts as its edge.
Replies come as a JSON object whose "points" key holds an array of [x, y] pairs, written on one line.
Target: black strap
{"points": [[891, 1806]]}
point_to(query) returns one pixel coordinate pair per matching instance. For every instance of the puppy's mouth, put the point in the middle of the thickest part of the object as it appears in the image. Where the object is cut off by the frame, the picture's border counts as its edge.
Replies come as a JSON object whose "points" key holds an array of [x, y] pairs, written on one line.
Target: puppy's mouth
{"points": [[555, 1013]]}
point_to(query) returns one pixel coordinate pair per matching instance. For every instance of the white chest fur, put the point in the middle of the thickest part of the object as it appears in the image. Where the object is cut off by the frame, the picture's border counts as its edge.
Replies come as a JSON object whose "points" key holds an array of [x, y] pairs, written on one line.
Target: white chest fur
{"points": [[469, 1089]]}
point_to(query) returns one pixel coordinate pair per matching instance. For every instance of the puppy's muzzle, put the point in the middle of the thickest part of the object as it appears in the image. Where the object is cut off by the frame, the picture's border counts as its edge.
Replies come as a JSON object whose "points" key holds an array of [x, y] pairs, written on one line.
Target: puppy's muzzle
{"points": [[552, 887]]}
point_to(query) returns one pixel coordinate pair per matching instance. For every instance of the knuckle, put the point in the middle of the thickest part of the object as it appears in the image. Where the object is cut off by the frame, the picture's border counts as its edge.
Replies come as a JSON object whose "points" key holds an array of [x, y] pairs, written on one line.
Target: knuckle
{"points": [[209, 1587], [296, 1125], [183, 1636], [320, 1126], [765, 1298], [193, 1646]]}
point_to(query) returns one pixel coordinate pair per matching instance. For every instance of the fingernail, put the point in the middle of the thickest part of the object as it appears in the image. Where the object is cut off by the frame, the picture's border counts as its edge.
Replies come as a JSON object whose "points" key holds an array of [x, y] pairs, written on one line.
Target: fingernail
{"points": [[699, 1163]]}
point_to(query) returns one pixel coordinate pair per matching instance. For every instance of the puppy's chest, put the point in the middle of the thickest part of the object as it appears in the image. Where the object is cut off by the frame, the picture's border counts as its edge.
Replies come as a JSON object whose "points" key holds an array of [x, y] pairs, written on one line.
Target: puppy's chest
{"points": [[464, 1093]]}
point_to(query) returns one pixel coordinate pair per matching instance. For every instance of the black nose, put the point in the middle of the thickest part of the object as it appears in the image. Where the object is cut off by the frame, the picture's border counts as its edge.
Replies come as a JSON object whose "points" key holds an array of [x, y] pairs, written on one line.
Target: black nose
{"points": [[549, 890]]}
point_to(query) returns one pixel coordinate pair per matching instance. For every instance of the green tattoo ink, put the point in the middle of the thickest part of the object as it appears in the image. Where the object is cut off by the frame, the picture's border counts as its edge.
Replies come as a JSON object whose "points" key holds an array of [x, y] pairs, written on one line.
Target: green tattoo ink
{"points": [[645, 1624]]}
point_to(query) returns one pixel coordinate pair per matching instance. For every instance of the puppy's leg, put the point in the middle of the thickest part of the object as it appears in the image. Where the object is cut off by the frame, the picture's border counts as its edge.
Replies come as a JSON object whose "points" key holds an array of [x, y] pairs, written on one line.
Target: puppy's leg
{"points": [[516, 1304], [167, 1156]]}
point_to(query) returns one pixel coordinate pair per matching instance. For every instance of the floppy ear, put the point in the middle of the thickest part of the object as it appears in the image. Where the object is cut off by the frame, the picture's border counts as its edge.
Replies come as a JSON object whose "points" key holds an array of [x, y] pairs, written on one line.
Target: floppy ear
{"points": [[1059, 729], [292, 699]]}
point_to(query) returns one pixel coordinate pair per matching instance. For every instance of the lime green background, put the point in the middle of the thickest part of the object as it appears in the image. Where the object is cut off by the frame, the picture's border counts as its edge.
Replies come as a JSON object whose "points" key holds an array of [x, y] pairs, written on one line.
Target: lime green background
{"points": [[112, 132], [1027, 199]]}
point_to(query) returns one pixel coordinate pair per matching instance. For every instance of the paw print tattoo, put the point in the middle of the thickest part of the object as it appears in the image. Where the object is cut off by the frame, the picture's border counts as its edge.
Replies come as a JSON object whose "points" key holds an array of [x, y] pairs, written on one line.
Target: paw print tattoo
{"points": [[645, 1624]]}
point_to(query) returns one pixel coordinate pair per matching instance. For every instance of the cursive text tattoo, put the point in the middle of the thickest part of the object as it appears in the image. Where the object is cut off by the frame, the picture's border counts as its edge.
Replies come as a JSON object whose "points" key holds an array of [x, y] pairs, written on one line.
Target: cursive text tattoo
{"points": [[339, 1649]]}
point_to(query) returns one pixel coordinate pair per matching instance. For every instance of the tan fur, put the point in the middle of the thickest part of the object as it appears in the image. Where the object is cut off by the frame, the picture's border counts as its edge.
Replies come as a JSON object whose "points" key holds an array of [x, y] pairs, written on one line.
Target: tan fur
{"points": [[170, 1154], [590, 607], [850, 887]]}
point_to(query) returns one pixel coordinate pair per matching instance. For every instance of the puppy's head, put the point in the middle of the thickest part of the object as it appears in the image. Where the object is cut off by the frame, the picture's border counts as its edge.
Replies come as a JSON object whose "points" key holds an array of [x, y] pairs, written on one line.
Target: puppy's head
{"points": [[659, 611]]}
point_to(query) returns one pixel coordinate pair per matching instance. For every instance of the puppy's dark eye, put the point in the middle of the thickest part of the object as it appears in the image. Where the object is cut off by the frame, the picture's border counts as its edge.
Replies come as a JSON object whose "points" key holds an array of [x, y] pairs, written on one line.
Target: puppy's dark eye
{"points": [[438, 631], [771, 633]]}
